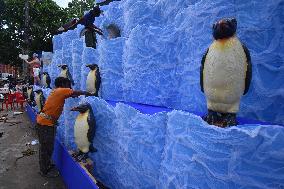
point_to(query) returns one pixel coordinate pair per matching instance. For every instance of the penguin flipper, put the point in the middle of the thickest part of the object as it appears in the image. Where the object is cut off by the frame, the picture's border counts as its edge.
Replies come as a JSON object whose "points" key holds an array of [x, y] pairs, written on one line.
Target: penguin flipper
{"points": [[201, 70], [249, 69], [42, 101], [92, 126], [98, 81], [83, 31], [70, 77], [48, 81]]}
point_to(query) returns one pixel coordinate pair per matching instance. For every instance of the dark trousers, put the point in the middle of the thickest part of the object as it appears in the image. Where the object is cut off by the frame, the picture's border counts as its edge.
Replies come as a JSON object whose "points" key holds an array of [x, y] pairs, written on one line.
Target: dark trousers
{"points": [[46, 135]]}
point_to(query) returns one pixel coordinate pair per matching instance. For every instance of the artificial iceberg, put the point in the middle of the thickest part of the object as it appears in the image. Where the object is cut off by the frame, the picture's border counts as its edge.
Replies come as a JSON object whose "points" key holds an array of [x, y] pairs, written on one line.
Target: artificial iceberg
{"points": [[156, 62]]}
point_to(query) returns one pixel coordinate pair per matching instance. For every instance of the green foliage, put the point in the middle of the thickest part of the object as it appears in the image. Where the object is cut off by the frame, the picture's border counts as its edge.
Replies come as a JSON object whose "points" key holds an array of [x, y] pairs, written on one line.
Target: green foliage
{"points": [[45, 18], [76, 8]]}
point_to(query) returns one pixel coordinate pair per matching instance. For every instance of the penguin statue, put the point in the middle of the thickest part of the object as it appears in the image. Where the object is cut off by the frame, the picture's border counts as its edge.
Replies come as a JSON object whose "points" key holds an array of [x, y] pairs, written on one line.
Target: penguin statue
{"points": [[30, 93], [84, 131], [93, 79], [113, 31], [65, 73], [46, 80], [225, 74], [90, 30], [39, 99]]}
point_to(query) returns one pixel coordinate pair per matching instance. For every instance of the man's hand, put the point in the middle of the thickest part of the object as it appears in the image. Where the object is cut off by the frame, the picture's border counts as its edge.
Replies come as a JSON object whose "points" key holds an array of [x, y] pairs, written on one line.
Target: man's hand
{"points": [[90, 94], [78, 93]]}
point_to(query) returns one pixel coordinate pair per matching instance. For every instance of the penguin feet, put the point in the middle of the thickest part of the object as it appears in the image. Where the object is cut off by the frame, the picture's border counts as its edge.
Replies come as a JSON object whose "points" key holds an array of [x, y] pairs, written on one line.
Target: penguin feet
{"points": [[75, 155], [212, 117], [82, 157], [230, 119], [220, 119]]}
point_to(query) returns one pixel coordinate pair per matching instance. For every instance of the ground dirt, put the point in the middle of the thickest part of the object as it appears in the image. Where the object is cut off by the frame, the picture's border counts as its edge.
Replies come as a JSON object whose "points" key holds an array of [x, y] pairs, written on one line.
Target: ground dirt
{"points": [[23, 174]]}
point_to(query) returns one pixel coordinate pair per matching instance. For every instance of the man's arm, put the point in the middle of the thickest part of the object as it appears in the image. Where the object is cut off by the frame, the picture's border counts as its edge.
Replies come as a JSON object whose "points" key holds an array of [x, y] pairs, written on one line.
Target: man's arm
{"points": [[78, 93], [31, 62]]}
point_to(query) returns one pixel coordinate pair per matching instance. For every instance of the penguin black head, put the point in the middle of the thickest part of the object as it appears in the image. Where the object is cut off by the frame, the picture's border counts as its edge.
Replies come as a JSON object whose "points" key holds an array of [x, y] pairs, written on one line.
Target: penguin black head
{"points": [[63, 66], [224, 28], [93, 66], [30, 87], [82, 108], [38, 91], [96, 11], [44, 73], [113, 31]]}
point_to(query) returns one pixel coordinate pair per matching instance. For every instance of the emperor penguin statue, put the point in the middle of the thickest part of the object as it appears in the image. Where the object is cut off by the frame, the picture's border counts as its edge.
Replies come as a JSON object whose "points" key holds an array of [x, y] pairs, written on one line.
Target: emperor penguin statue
{"points": [[65, 73], [46, 80], [30, 94], [93, 79], [84, 131], [225, 74], [39, 99]]}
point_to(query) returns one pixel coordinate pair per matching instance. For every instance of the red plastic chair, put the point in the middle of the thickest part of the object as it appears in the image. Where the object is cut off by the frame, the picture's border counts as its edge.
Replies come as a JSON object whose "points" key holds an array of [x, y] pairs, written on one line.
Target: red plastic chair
{"points": [[20, 99], [8, 100]]}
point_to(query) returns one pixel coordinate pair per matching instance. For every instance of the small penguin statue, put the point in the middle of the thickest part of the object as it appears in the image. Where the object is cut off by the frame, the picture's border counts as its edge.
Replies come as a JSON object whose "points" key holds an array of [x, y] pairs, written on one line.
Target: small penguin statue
{"points": [[93, 79], [46, 80], [39, 99], [65, 73], [225, 74], [30, 93], [113, 31], [84, 131]]}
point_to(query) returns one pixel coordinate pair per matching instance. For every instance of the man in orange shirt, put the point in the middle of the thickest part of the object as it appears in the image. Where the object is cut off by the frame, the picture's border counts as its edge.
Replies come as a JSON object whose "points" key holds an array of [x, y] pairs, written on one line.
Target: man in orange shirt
{"points": [[46, 122]]}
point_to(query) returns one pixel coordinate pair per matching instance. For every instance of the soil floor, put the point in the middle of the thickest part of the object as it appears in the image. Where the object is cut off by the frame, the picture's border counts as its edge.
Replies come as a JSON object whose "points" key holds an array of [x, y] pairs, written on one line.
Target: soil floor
{"points": [[14, 139]]}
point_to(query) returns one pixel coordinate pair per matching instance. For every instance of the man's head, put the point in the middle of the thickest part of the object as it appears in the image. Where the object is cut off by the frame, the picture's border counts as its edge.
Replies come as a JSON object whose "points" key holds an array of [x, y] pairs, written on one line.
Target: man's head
{"points": [[35, 55], [62, 82], [224, 28], [96, 11]]}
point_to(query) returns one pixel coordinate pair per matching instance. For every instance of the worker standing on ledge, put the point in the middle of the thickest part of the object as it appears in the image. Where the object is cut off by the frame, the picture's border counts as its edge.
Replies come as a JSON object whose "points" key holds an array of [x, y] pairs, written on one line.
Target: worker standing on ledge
{"points": [[35, 64], [47, 121]]}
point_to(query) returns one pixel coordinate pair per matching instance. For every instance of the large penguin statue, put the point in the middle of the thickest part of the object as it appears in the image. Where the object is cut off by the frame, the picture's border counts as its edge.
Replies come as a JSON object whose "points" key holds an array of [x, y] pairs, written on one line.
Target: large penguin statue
{"points": [[65, 73], [39, 99], [93, 79], [30, 93], [84, 131], [225, 74], [45, 81]]}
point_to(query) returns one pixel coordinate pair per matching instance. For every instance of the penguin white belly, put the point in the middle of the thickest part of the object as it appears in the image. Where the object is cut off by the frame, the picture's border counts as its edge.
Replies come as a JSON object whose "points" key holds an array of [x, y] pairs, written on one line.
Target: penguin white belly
{"points": [[44, 81], [224, 75], [81, 132], [29, 94], [63, 73], [37, 100], [91, 81]]}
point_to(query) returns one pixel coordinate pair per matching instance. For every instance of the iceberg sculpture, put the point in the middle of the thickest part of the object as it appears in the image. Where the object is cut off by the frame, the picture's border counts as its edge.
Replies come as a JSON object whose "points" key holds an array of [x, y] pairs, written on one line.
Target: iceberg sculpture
{"points": [[156, 62]]}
